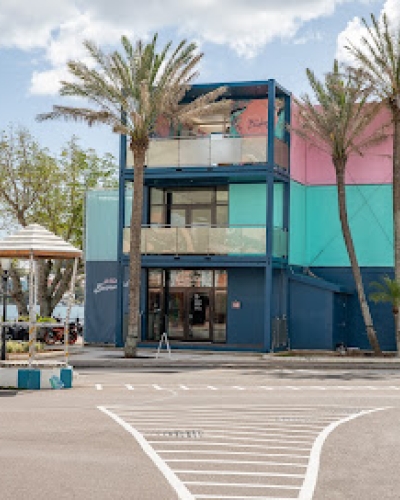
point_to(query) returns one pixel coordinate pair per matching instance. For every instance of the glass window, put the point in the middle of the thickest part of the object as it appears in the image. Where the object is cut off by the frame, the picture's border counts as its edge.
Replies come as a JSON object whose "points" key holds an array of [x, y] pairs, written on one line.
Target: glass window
{"points": [[192, 196], [221, 279], [222, 195], [156, 196], [156, 215], [222, 215]]}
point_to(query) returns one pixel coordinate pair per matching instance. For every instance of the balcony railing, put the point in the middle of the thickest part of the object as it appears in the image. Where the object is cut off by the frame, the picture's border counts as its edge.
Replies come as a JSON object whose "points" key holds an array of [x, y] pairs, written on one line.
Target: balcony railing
{"points": [[208, 240], [212, 150]]}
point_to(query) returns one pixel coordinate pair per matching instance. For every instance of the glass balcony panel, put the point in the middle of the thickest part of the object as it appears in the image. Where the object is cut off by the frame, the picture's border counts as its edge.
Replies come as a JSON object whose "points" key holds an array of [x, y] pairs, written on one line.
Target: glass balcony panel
{"points": [[194, 151], [279, 243], [254, 149], [206, 240], [159, 240], [193, 240], [163, 153], [218, 241], [253, 240], [281, 154], [225, 150]]}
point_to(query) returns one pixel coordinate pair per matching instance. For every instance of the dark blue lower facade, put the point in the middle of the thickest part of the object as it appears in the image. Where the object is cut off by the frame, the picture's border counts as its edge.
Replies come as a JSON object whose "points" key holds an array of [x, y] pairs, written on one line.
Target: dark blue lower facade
{"points": [[321, 307]]}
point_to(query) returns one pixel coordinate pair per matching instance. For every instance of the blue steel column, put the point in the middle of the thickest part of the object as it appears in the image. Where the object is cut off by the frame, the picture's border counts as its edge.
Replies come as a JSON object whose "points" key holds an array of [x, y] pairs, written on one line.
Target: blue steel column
{"points": [[121, 222], [269, 215], [286, 210]]}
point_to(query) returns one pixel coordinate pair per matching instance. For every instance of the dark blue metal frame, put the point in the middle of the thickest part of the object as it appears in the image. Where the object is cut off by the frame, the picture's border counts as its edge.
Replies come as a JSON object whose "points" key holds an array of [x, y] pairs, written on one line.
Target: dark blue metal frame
{"points": [[187, 176]]}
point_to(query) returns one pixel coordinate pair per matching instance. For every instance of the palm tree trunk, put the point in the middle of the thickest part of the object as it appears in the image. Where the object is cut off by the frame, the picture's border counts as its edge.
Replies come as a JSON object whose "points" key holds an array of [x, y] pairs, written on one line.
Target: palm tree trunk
{"points": [[397, 331], [396, 210], [396, 192], [135, 253], [366, 314]]}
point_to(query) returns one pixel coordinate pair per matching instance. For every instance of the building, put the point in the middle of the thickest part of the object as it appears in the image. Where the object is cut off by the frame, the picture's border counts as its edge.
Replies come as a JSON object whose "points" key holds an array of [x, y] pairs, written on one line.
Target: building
{"points": [[242, 247]]}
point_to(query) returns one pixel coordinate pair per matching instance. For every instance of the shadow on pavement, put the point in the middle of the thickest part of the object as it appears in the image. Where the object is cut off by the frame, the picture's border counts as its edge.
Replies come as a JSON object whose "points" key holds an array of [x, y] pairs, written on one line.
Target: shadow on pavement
{"points": [[7, 393]]}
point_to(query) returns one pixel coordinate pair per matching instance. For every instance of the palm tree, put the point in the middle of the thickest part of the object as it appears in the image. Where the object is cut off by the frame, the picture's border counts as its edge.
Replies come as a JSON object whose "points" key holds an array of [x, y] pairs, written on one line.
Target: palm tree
{"points": [[388, 291], [378, 58], [129, 91], [337, 124]]}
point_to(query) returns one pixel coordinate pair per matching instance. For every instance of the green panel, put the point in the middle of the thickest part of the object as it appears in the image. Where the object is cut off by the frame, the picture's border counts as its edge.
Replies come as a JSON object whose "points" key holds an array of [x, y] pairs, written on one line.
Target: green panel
{"points": [[248, 204], [101, 225], [370, 215], [297, 226], [278, 204]]}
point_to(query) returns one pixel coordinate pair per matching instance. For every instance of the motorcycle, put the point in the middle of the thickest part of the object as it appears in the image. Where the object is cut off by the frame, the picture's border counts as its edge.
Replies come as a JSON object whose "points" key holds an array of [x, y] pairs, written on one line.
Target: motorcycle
{"points": [[56, 333]]}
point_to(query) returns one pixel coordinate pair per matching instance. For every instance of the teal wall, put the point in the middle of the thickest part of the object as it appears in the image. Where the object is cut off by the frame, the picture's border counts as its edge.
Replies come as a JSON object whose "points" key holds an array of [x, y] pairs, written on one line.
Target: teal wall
{"points": [[248, 204], [297, 225], [101, 225], [371, 223]]}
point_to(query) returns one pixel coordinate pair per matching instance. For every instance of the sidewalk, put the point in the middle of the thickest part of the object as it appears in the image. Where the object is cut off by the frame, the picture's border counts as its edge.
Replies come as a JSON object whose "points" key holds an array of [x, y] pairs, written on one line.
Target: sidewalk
{"points": [[110, 357]]}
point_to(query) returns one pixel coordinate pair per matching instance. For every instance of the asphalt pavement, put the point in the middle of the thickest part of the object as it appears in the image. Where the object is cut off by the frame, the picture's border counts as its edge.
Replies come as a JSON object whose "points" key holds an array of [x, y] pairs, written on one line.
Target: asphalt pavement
{"points": [[204, 433]]}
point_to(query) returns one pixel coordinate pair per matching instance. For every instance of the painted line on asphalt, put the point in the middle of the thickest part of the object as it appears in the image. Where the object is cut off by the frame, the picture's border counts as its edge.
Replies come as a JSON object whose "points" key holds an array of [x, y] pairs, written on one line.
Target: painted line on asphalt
{"points": [[157, 387], [212, 388], [129, 387], [243, 485], [237, 473], [177, 485], [230, 497], [99, 387], [231, 445], [252, 453], [184, 387], [307, 490], [235, 462]]}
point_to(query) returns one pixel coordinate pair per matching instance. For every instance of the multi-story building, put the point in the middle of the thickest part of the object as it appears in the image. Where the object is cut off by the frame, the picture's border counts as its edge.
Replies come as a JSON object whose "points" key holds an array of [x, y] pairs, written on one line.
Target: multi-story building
{"points": [[224, 201]]}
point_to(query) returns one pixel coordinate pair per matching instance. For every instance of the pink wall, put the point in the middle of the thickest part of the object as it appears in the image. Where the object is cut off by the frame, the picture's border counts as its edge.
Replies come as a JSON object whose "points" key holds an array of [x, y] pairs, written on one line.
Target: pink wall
{"points": [[310, 165]]}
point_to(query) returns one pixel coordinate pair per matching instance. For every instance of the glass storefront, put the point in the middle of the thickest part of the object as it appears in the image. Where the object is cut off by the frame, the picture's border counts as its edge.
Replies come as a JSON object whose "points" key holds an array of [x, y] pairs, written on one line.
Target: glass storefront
{"points": [[191, 305]]}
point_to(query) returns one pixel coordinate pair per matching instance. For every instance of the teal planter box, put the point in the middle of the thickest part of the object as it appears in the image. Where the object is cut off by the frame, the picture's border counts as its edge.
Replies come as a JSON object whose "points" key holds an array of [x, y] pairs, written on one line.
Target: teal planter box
{"points": [[29, 379]]}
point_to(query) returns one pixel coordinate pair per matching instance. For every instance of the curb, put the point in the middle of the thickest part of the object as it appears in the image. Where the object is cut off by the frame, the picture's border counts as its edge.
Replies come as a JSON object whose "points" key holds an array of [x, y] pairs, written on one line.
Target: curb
{"points": [[265, 365]]}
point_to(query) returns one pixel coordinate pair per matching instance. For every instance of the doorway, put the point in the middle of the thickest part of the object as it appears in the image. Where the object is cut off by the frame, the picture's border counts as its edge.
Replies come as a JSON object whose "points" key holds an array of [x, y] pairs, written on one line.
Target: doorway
{"points": [[191, 305], [189, 315]]}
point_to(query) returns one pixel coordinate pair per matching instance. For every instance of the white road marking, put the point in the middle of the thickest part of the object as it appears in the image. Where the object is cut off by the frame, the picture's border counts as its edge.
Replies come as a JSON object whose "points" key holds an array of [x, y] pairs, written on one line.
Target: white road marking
{"points": [[238, 462], [238, 473], [212, 388], [157, 387], [287, 445], [230, 497], [243, 485], [307, 490], [184, 387], [238, 387], [129, 387], [99, 387], [231, 445], [179, 487]]}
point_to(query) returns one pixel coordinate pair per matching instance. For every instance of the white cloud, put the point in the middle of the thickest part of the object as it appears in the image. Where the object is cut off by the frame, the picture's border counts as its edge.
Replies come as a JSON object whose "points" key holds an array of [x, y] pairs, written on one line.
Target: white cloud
{"points": [[355, 30], [59, 26]]}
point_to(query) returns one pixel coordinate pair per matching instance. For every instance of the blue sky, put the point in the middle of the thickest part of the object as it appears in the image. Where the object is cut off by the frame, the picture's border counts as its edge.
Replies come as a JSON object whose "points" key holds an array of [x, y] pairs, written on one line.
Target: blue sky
{"points": [[241, 39]]}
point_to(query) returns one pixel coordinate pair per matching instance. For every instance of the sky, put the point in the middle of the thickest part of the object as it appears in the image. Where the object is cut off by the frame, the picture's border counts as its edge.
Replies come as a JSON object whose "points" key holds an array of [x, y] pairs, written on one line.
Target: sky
{"points": [[241, 40]]}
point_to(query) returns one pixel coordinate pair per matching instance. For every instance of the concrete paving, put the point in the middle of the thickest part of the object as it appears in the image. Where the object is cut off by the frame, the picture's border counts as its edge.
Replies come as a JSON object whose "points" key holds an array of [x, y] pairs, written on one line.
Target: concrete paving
{"points": [[103, 357]]}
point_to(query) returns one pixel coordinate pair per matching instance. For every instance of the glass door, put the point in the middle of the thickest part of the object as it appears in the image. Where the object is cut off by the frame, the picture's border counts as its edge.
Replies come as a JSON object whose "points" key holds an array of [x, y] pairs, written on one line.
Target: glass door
{"points": [[199, 311], [176, 314]]}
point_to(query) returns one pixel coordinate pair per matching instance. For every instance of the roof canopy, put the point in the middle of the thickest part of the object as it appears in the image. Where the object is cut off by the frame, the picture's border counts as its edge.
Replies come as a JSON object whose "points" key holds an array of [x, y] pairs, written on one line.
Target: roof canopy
{"points": [[35, 240]]}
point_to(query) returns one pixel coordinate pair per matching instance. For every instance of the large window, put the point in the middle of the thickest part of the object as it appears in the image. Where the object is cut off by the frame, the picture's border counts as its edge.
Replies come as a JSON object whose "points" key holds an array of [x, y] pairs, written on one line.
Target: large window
{"points": [[179, 207]]}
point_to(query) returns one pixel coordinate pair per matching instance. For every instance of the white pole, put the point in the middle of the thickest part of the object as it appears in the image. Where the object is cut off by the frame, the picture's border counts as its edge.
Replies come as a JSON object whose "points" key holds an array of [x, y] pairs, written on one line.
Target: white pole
{"points": [[66, 325], [32, 319]]}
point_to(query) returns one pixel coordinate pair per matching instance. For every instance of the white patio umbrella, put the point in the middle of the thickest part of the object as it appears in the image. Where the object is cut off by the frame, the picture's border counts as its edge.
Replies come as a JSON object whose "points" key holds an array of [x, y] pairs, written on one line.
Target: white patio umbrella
{"points": [[35, 242]]}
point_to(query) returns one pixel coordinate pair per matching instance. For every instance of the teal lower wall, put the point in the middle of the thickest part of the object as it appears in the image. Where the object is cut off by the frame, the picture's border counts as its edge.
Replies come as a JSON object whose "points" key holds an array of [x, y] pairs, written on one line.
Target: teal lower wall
{"points": [[315, 232]]}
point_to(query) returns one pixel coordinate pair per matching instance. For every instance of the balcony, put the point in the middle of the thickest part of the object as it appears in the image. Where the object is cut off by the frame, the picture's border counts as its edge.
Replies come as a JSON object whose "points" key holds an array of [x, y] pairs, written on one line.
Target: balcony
{"points": [[209, 240], [212, 150]]}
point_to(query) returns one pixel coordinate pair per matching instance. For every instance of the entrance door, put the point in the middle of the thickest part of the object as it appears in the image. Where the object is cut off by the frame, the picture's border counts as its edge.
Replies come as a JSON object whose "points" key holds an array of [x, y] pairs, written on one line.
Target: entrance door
{"points": [[199, 315]]}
